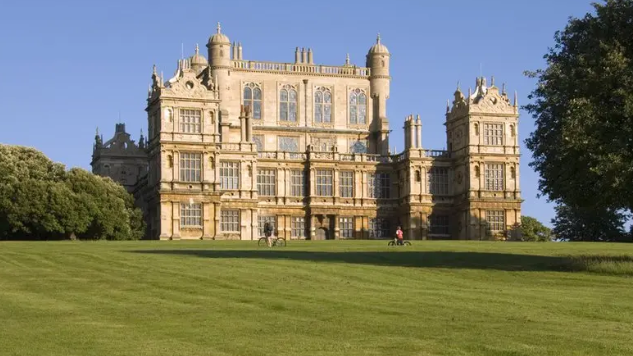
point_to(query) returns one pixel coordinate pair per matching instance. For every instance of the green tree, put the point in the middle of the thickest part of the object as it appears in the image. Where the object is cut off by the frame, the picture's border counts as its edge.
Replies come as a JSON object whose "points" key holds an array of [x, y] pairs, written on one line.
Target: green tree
{"points": [[583, 106], [39, 199], [534, 230], [589, 224]]}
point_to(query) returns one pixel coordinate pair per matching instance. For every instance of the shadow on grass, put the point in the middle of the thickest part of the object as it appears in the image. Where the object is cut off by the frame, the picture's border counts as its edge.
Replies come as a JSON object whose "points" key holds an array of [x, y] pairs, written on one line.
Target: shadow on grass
{"points": [[622, 265]]}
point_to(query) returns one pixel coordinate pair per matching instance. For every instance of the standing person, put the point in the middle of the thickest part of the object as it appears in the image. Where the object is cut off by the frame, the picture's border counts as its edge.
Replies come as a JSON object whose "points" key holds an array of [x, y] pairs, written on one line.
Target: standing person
{"points": [[399, 235], [268, 231]]}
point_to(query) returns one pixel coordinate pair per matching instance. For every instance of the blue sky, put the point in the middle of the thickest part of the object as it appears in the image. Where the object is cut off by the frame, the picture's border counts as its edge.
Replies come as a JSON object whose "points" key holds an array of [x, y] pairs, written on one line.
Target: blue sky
{"points": [[70, 66]]}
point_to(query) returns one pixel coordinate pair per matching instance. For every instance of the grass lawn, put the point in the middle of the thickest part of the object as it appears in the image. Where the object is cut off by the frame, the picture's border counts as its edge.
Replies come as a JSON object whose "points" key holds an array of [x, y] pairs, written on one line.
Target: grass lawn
{"points": [[315, 298]]}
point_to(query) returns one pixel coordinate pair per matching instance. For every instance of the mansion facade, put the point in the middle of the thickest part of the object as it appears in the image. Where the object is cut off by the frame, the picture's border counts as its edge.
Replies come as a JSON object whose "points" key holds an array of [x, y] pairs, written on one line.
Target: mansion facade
{"points": [[235, 143]]}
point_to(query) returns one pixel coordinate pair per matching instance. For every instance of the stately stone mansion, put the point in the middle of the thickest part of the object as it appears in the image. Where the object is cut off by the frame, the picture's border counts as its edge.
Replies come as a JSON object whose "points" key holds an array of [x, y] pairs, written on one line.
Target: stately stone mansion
{"points": [[234, 143]]}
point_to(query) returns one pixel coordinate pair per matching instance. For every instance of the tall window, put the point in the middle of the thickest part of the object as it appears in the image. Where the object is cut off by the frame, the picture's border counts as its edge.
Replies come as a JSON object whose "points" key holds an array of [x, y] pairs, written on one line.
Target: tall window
{"points": [[346, 227], [259, 142], [496, 220], [439, 224], [494, 176], [288, 104], [438, 181], [379, 228], [288, 144], [378, 185], [190, 215], [493, 134], [347, 184], [357, 107], [266, 179], [190, 121], [229, 175], [230, 220], [297, 183], [272, 220], [298, 227], [322, 105], [324, 182], [190, 164], [253, 99]]}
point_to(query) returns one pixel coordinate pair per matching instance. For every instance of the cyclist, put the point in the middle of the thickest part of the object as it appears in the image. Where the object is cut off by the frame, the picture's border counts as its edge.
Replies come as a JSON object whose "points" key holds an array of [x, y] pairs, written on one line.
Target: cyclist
{"points": [[268, 231], [399, 236]]}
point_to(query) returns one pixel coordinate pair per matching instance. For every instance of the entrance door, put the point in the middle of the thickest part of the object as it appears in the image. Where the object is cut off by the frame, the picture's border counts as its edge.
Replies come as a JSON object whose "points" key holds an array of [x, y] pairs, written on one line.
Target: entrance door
{"points": [[321, 234]]}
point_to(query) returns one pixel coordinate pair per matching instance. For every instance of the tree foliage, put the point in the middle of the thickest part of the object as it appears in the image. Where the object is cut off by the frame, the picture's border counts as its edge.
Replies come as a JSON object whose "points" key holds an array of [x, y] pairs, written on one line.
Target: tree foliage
{"points": [[39, 199], [583, 106], [589, 224]]}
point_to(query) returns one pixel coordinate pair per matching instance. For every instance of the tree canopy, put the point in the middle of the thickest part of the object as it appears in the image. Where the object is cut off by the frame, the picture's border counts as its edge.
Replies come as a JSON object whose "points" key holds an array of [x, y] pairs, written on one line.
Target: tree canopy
{"points": [[39, 199], [583, 106]]}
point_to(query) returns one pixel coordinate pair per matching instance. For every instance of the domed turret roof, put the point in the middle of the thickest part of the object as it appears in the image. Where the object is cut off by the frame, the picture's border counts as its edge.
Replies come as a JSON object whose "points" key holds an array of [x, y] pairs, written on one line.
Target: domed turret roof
{"points": [[197, 59], [219, 37], [378, 47]]}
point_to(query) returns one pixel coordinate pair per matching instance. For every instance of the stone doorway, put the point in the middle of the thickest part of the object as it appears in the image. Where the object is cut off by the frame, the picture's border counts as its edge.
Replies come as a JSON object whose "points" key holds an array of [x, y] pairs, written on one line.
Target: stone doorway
{"points": [[322, 234]]}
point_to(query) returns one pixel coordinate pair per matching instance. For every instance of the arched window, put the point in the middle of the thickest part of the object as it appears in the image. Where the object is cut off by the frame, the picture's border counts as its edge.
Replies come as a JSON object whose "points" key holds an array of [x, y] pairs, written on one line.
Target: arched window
{"points": [[357, 107], [288, 104], [253, 99], [322, 105]]}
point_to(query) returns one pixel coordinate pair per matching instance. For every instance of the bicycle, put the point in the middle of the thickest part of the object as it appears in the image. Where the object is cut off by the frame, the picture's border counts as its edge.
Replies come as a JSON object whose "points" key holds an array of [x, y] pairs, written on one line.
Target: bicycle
{"points": [[275, 242], [394, 243]]}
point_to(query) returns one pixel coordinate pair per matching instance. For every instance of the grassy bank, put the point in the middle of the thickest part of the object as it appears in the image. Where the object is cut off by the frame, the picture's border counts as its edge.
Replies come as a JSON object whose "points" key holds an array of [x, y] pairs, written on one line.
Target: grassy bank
{"points": [[315, 298]]}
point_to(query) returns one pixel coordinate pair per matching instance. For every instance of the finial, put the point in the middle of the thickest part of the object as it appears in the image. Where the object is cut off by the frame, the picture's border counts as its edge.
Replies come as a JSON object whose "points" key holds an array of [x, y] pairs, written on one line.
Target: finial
{"points": [[219, 27], [197, 49], [97, 134], [470, 93], [154, 70], [516, 99], [459, 86], [448, 105], [347, 59], [503, 89], [492, 81], [378, 38], [141, 132]]}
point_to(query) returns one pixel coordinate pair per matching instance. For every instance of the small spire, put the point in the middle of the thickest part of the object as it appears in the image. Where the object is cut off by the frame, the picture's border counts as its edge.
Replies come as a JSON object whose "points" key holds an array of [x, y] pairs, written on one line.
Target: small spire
{"points": [[141, 132], [347, 59], [459, 86], [448, 105], [378, 38], [154, 70], [516, 99], [503, 89], [97, 134], [470, 93], [492, 81], [219, 27], [197, 49]]}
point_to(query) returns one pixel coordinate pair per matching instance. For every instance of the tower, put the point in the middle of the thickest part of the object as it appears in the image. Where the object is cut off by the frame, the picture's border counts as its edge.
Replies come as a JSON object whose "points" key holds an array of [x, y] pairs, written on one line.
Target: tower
{"points": [[219, 48], [482, 139], [378, 62]]}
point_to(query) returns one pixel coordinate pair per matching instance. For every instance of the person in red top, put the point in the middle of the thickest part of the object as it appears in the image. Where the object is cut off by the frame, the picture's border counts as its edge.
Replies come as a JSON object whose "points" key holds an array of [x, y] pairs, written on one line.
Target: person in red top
{"points": [[399, 236]]}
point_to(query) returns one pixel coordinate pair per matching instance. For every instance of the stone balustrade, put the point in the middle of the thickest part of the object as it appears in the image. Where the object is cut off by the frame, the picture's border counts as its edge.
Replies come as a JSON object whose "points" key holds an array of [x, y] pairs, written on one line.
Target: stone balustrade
{"points": [[347, 71]]}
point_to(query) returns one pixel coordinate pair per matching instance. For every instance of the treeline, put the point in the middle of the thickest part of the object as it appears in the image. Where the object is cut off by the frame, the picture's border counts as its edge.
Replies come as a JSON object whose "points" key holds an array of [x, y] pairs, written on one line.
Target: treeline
{"points": [[41, 200]]}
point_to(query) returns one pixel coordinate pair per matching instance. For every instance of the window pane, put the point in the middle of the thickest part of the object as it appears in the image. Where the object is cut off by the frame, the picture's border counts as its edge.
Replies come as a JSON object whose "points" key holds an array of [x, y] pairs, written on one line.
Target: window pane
{"points": [[248, 94], [293, 95], [283, 112], [327, 97], [257, 109], [318, 97], [283, 95], [292, 113], [257, 94]]}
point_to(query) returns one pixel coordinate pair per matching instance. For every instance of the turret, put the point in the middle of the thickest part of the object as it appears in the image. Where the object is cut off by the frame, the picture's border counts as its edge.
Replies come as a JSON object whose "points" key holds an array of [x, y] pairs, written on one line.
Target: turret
{"points": [[220, 59], [378, 62]]}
